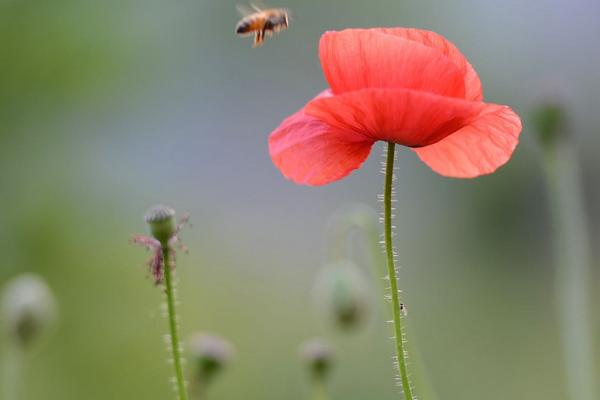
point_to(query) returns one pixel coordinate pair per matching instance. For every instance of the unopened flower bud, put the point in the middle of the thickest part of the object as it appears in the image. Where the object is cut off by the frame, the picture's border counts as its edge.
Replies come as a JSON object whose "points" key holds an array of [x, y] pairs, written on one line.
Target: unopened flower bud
{"points": [[210, 354], [162, 223], [549, 121], [342, 290], [318, 356], [28, 309]]}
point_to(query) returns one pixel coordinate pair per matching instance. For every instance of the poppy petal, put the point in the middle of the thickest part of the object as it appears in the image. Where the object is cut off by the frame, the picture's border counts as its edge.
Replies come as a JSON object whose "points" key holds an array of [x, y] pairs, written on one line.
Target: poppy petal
{"points": [[407, 117], [473, 89], [356, 59], [479, 148], [310, 152]]}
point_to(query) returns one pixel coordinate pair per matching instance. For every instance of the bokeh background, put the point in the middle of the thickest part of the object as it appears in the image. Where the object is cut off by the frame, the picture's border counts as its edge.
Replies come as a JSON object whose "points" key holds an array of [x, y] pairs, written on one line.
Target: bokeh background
{"points": [[107, 107]]}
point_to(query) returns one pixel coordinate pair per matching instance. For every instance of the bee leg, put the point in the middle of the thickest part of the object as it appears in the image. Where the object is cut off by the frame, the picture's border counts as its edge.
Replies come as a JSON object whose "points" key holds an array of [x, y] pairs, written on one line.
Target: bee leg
{"points": [[259, 37]]}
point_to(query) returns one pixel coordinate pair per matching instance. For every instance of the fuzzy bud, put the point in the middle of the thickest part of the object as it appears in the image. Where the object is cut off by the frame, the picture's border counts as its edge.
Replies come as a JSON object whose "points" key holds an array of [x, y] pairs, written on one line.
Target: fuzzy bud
{"points": [[549, 121], [29, 310], [342, 289], [210, 354], [162, 223], [318, 356]]}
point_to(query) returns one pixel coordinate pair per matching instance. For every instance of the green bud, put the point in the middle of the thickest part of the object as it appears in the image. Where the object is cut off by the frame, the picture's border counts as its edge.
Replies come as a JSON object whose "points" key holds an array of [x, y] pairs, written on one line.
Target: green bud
{"points": [[341, 291], [162, 223], [318, 356], [549, 121], [28, 309], [210, 354]]}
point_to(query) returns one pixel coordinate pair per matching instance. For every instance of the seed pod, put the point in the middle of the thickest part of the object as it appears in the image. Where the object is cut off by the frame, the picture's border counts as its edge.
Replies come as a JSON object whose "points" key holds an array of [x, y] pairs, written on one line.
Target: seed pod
{"points": [[318, 356], [29, 310], [210, 354], [162, 223]]}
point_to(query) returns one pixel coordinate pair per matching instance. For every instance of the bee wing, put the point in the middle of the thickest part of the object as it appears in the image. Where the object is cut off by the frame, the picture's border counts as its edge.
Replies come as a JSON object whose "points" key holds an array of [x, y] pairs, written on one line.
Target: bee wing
{"points": [[255, 7], [259, 5], [244, 10]]}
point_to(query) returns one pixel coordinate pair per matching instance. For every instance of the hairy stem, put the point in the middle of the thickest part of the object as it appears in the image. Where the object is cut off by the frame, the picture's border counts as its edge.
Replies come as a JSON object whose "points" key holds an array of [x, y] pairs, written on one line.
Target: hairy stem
{"points": [[172, 315], [365, 219], [395, 294], [573, 265]]}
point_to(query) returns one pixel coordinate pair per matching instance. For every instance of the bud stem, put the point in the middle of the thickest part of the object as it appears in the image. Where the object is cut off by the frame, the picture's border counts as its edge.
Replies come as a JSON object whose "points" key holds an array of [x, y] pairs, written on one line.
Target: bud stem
{"points": [[319, 390], [395, 295], [175, 344], [12, 370], [573, 267], [364, 218]]}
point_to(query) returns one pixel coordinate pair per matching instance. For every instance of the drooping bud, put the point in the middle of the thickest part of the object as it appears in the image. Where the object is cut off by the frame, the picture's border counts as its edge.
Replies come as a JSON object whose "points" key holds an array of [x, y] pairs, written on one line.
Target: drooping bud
{"points": [[319, 357], [28, 309], [347, 220], [210, 354], [162, 223], [549, 120], [342, 292]]}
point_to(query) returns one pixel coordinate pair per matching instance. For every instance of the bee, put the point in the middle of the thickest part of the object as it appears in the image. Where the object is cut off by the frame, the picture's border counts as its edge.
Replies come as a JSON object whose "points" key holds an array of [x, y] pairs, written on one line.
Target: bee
{"points": [[261, 22]]}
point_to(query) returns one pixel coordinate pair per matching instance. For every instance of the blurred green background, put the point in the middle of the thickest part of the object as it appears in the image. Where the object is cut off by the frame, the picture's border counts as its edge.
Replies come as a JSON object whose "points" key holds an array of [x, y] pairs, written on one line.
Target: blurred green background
{"points": [[107, 107]]}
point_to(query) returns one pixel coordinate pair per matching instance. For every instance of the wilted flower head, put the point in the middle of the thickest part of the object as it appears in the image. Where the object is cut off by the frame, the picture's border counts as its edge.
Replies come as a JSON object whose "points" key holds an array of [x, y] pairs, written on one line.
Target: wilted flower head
{"points": [[318, 355], [406, 86], [164, 230], [342, 292], [210, 353], [28, 309]]}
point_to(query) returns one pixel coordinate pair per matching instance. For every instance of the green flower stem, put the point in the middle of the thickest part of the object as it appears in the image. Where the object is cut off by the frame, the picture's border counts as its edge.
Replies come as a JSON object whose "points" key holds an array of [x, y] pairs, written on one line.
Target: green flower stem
{"points": [[395, 294], [319, 390], [366, 220], [12, 371], [573, 265], [175, 344]]}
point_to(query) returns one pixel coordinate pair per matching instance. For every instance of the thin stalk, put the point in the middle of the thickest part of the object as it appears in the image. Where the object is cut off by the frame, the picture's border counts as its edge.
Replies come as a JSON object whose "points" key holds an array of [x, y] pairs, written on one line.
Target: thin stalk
{"points": [[365, 219], [13, 364], [573, 265], [319, 390], [175, 344], [394, 292]]}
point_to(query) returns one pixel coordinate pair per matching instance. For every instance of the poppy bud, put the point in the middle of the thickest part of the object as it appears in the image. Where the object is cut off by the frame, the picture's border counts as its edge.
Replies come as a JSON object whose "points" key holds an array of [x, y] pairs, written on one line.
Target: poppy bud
{"points": [[318, 355], [549, 121], [162, 223], [210, 355], [343, 290], [28, 309]]}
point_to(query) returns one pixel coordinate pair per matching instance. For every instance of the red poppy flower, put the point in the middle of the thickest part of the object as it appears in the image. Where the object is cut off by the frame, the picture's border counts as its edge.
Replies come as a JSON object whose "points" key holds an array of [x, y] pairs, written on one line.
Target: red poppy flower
{"points": [[407, 86]]}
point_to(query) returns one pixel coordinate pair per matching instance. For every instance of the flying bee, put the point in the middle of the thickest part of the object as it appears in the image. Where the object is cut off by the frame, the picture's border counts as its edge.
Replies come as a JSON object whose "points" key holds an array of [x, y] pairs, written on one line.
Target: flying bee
{"points": [[259, 22]]}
